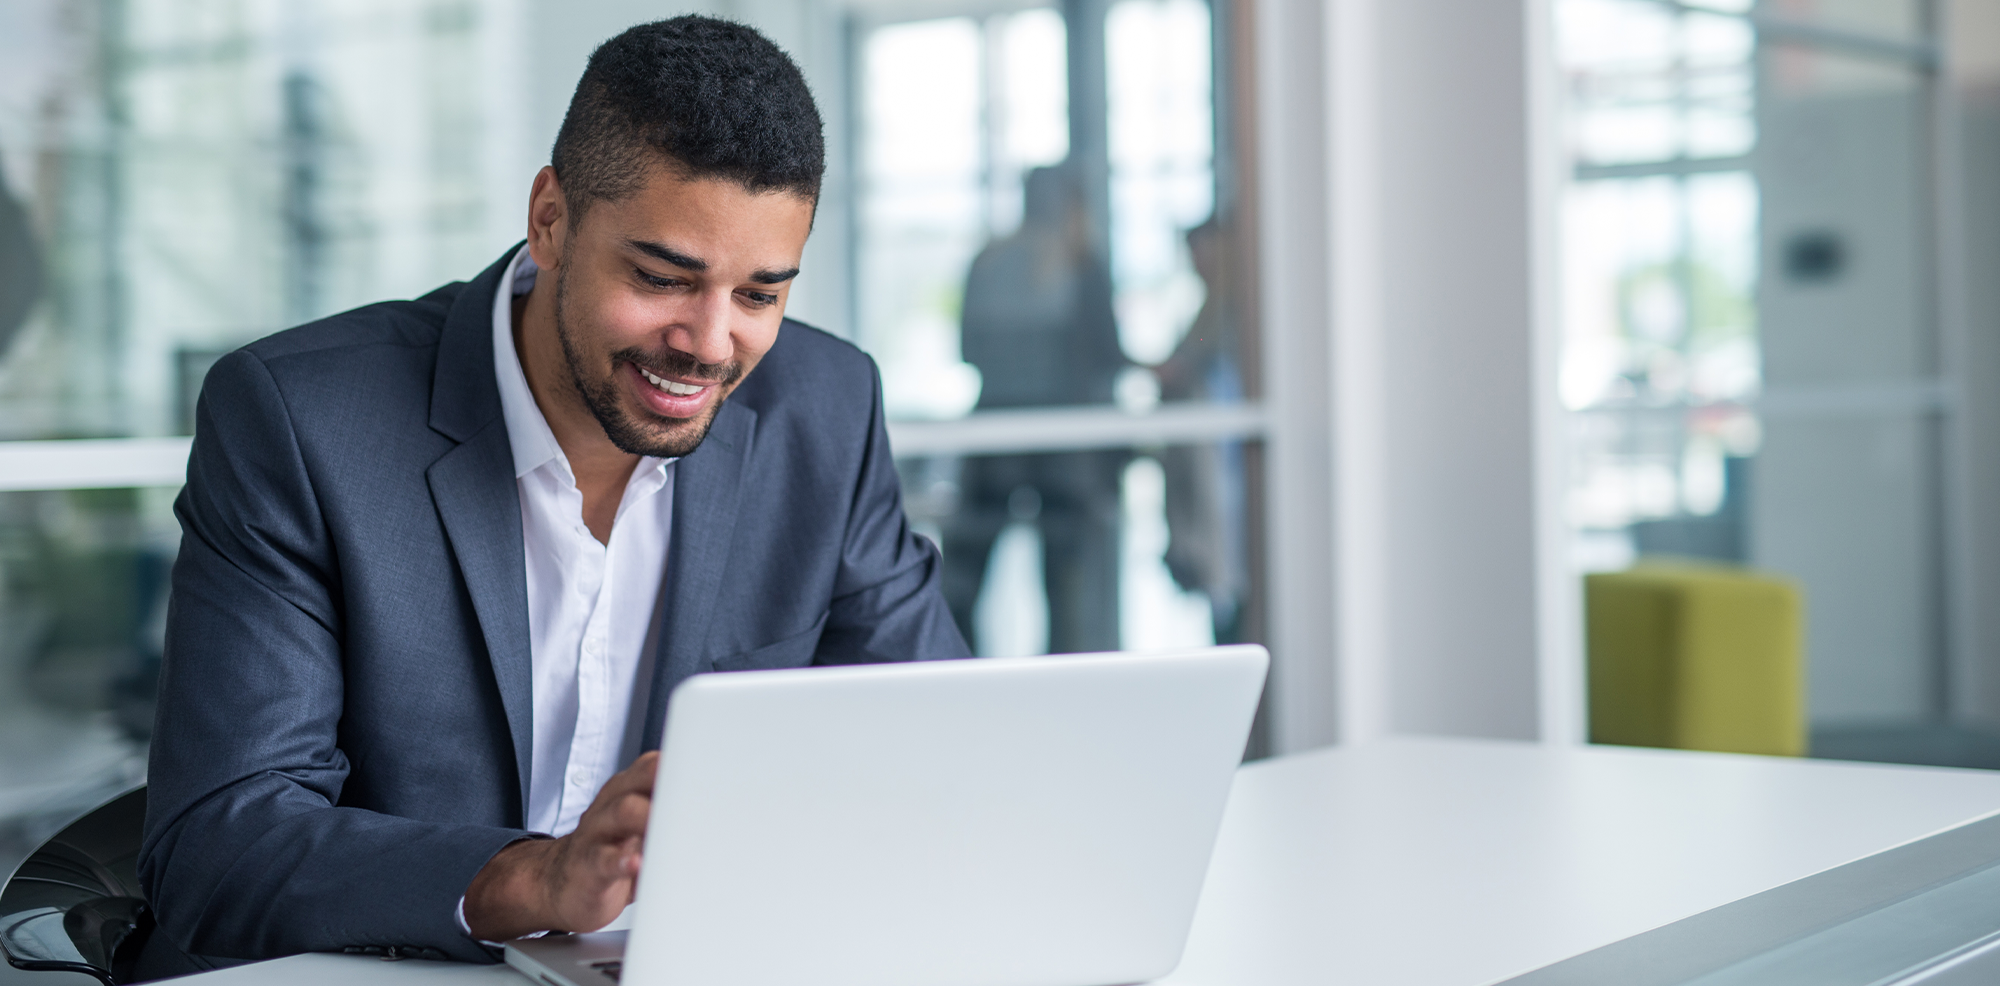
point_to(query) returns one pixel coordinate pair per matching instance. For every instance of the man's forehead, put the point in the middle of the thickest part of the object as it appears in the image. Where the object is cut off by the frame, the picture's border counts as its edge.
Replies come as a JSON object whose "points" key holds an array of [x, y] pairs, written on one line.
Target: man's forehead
{"points": [[710, 224], [673, 183]]}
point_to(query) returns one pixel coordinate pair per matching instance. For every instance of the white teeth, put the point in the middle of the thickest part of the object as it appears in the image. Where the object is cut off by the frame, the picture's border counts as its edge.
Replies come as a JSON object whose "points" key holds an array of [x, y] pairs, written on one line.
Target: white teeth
{"points": [[671, 387]]}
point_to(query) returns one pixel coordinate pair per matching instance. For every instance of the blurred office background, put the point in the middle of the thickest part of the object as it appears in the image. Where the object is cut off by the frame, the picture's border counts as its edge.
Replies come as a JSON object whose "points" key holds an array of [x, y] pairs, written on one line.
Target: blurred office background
{"points": [[1365, 329]]}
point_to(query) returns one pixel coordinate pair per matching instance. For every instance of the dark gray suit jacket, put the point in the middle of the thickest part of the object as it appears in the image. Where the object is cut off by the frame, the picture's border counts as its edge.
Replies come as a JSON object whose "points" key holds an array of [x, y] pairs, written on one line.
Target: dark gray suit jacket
{"points": [[343, 731]]}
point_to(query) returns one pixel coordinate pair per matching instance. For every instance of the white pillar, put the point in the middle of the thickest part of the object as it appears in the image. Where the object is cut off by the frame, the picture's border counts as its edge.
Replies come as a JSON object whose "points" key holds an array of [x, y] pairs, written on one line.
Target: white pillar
{"points": [[1295, 300], [1417, 447]]}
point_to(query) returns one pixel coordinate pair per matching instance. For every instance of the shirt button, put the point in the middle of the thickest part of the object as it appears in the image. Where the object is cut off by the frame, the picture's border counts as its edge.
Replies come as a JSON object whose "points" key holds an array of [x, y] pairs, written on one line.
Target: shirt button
{"points": [[591, 647]]}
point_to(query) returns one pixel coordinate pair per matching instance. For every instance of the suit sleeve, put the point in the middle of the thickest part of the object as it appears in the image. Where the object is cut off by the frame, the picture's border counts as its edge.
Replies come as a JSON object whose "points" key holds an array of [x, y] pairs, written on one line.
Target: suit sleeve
{"points": [[888, 602], [247, 853]]}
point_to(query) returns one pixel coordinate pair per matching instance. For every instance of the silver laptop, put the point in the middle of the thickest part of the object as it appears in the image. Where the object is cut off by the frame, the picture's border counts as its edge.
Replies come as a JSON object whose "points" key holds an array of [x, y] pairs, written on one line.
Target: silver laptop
{"points": [[1042, 821]]}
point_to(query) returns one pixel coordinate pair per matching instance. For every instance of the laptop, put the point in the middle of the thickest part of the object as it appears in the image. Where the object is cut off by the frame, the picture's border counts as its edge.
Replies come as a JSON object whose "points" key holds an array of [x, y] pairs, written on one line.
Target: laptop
{"points": [[1039, 821]]}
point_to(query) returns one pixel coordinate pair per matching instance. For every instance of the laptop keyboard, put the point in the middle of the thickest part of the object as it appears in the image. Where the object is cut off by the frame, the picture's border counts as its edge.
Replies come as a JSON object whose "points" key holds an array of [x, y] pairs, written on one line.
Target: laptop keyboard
{"points": [[610, 967]]}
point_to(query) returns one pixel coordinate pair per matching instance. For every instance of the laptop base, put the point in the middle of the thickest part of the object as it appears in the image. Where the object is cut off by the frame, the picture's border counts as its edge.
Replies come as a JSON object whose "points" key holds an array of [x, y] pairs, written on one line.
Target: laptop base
{"points": [[593, 959]]}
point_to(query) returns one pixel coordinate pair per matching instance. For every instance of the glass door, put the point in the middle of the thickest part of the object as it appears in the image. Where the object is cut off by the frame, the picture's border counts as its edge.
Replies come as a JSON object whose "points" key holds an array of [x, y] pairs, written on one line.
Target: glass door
{"points": [[1753, 354]]}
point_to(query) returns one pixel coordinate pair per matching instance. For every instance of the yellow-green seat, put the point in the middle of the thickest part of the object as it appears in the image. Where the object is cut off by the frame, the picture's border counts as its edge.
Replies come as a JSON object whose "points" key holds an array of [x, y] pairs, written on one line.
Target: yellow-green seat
{"points": [[1696, 657]]}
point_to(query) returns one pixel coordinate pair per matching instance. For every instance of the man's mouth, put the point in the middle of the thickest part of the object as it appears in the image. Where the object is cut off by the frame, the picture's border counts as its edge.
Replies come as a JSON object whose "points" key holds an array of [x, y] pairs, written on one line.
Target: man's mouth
{"points": [[674, 387], [673, 399]]}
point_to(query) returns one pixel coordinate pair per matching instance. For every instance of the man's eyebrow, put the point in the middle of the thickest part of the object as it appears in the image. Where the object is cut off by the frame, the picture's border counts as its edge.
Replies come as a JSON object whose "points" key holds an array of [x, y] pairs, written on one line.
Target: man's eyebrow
{"points": [[668, 254], [686, 262]]}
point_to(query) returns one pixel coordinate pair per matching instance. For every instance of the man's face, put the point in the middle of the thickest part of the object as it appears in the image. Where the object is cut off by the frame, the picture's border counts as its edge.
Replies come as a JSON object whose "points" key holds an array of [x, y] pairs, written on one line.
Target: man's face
{"points": [[666, 299]]}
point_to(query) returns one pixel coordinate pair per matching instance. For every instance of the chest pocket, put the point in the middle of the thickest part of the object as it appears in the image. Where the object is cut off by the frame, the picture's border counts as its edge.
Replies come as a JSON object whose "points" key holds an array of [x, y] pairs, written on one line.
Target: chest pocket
{"points": [[795, 651]]}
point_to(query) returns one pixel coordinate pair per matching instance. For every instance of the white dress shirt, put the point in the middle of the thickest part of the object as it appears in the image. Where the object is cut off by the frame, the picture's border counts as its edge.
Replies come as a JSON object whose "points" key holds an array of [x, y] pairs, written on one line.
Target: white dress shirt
{"points": [[592, 607]]}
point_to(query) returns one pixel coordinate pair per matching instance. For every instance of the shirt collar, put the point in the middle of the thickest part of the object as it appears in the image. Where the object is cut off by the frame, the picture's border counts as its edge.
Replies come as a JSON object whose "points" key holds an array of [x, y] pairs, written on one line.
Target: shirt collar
{"points": [[527, 431]]}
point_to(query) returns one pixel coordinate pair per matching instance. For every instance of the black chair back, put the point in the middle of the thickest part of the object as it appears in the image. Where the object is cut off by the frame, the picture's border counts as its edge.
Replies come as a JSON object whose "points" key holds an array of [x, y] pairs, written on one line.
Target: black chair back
{"points": [[76, 904]]}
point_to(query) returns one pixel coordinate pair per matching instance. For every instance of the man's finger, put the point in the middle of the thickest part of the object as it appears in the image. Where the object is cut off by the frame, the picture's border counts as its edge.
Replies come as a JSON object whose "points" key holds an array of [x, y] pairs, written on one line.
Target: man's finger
{"points": [[636, 779], [630, 814], [615, 820], [608, 865]]}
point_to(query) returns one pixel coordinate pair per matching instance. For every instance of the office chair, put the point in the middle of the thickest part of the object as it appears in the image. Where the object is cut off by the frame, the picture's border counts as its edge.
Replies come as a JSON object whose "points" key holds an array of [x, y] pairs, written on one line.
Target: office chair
{"points": [[76, 905]]}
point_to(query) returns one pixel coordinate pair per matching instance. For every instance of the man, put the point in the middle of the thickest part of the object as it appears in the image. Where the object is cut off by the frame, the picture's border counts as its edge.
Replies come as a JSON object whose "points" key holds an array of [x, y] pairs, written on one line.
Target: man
{"points": [[444, 560]]}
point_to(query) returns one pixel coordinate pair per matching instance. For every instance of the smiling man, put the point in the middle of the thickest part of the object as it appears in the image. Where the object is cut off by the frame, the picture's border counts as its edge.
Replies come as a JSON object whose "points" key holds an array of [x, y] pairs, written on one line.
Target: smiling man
{"points": [[444, 560]]}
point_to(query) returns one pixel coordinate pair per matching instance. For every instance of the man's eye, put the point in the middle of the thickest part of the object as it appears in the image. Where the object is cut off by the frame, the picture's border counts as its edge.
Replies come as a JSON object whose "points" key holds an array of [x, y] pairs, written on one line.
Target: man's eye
{"points": [[761, 298], [657, 282]]}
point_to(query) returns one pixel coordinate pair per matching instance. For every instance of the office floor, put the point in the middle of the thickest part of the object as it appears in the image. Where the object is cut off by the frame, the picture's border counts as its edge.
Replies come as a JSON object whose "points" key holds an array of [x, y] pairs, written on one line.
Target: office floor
{"points": [[1932, 744]]}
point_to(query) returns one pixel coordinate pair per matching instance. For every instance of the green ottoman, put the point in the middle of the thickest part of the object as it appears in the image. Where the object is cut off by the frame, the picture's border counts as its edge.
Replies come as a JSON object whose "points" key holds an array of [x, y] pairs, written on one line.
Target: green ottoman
{"points": [[1696, 657]]}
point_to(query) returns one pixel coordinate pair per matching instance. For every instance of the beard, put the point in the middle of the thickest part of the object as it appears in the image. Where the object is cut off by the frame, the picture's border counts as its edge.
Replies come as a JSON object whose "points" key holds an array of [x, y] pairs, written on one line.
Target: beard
{"points": [[643, 433]]}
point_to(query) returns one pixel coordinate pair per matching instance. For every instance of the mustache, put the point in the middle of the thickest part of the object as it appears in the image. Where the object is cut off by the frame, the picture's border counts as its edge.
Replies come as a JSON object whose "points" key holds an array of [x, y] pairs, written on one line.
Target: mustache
{"points": [[672, 363]]}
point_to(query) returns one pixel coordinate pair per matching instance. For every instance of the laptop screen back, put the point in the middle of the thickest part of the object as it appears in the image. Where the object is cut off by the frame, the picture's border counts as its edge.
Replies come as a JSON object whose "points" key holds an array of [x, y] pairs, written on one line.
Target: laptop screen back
{"points": [[1003, 822]]}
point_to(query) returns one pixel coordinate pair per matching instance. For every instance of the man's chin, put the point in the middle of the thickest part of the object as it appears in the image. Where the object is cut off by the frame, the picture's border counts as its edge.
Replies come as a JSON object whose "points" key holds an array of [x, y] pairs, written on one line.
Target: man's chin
{"points": [[645, 433]]}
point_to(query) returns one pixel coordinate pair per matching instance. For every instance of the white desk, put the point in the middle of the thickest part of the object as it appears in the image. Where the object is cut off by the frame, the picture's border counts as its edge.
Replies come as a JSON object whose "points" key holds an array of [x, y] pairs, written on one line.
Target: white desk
{"points": [[1458, 863]]}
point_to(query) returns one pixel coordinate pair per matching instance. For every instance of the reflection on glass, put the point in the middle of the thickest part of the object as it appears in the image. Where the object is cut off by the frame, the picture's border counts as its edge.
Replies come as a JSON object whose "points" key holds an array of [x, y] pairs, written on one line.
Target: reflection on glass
{"points": [[1080, 551]]}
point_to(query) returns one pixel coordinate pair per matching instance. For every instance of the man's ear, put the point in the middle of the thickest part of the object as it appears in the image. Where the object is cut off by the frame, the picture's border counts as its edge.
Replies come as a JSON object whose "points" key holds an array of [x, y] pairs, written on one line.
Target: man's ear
{"points": [[548, 220]]}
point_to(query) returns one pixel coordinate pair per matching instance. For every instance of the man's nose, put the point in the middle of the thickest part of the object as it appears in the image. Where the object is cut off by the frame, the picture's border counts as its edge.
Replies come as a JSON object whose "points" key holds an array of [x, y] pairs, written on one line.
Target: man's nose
{"points": [[707, 328]]}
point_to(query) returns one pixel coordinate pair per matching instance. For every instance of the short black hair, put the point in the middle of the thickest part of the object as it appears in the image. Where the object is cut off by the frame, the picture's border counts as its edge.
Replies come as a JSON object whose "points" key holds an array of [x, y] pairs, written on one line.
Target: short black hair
{"points": [[709, 98]]}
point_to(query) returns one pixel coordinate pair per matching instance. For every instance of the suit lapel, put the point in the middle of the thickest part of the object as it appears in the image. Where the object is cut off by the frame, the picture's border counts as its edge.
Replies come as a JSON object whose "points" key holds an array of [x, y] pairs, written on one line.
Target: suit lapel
{"points": [[706, 487], [473, 488]]}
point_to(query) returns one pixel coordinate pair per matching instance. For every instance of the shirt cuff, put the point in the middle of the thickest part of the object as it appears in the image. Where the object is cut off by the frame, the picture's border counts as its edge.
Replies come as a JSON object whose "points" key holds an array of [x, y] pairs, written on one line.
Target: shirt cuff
{"points": [[466, 929]]}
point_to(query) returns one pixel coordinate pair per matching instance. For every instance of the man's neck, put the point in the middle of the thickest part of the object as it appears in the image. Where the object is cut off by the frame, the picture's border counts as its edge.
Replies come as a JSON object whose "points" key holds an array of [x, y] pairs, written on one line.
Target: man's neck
{"points": [[601, 468]]}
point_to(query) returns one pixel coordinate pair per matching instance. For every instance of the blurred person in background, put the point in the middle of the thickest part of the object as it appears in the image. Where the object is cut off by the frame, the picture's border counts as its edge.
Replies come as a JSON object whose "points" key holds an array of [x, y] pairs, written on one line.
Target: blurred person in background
{"points": [[1038, 323], [20, 266], [1204, 483]]}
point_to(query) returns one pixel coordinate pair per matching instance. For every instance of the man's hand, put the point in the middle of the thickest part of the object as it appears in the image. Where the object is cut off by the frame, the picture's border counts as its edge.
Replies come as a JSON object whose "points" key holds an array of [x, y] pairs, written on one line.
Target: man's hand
{"points": [[579, 882]]}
